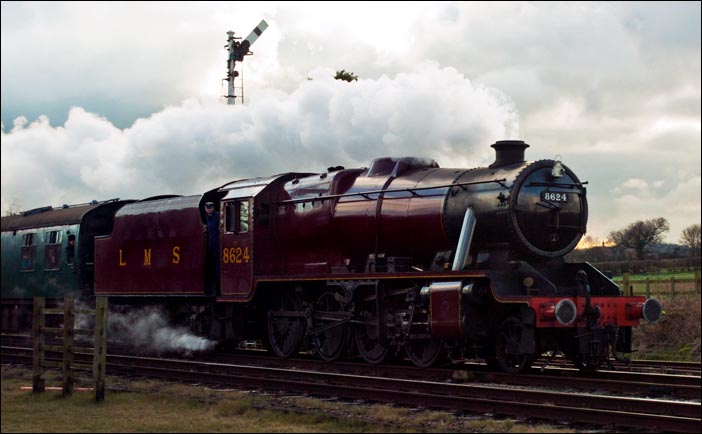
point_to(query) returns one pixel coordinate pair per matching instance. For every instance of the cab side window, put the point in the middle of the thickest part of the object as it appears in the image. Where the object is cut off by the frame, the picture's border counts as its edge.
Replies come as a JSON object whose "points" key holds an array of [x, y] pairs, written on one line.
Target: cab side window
{"points": [[243, 216], [237, 216], [229, 217]]}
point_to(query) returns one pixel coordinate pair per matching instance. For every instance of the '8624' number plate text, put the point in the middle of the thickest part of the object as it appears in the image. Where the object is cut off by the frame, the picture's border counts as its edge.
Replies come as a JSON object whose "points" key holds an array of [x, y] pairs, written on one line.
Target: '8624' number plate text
{"points": [[554, 197]]}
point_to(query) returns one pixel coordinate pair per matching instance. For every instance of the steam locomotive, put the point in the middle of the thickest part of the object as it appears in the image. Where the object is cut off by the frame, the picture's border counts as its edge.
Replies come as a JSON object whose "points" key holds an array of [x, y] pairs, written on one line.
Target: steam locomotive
{"points": [[402, 258]]}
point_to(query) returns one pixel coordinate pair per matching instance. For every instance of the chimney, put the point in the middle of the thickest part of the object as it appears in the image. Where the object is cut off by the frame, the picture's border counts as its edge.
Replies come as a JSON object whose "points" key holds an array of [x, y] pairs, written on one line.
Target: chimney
{"points": [[508, 152]]}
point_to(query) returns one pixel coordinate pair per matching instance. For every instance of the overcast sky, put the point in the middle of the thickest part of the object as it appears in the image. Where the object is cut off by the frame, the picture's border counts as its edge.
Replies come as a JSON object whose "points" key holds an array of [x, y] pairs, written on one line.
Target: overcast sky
{"points": [[104, 100]]}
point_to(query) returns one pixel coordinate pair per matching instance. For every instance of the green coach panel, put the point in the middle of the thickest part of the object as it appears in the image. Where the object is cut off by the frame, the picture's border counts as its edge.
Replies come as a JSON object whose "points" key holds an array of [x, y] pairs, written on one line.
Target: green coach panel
{"points": [[48, 252], [35, 253]]}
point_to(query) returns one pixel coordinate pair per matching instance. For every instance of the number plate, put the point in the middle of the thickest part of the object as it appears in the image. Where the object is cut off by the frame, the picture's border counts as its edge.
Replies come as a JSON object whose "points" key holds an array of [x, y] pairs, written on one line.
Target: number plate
{"points": [[554, 197]]}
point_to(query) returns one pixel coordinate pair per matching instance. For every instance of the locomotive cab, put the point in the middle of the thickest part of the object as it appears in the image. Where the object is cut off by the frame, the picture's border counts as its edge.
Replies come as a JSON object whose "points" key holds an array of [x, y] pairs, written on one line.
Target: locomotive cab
{"points": [[248, 232], [237, 247]]}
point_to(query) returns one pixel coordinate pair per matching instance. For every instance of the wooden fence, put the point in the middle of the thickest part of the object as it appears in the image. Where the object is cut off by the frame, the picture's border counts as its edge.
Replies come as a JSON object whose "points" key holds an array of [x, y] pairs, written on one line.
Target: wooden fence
{"points": [[661, 287], [68, 332]]}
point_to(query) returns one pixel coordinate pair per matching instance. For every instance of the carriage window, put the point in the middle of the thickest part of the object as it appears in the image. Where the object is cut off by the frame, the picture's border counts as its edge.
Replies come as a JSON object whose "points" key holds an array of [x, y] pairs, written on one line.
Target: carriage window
{"points": [[53, 237], [28, 252], [52, 255], [52, 250], [29, 239]]}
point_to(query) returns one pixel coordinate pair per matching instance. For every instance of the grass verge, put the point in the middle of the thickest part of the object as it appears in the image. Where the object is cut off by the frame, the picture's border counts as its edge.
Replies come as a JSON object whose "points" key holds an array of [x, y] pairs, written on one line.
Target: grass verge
{"points": [[676, 336], [156, 406]]}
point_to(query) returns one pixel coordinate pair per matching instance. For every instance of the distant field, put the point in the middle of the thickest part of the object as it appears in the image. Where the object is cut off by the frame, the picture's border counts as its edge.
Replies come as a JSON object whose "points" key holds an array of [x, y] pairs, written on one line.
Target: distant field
{"points": [[666, 275]]}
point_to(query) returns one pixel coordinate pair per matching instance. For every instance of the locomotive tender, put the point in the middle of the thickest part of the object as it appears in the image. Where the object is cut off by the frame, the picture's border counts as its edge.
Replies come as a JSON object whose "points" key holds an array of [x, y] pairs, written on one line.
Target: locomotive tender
{"points": [[400, 258]]}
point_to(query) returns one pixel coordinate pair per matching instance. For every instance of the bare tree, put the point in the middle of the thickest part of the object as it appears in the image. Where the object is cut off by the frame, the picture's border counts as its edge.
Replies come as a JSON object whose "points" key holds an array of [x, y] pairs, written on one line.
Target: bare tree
{"points": [[691, 238], [13, 209], [640, 235]]}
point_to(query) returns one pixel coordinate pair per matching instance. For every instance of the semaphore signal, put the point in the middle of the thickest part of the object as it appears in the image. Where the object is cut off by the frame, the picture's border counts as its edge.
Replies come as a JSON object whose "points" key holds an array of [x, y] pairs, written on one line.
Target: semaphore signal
{"points": [[237, 51]]}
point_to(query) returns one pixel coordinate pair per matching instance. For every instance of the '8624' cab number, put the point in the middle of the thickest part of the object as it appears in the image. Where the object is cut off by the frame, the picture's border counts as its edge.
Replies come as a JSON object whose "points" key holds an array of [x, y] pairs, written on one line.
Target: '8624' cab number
{"points": [[235, 255]]}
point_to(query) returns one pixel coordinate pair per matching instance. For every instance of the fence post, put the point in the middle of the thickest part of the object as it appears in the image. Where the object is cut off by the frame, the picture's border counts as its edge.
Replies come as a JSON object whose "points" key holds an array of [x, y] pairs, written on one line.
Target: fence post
{"points": [[648, 287], [100, 352], [628, 290], [672, 285], [38, 382], [68, 333], [698, 281]]}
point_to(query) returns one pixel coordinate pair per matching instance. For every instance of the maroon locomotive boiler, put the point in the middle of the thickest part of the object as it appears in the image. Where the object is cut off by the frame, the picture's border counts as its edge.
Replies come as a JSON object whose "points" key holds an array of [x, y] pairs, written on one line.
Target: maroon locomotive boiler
{"points": [[401, 258]]}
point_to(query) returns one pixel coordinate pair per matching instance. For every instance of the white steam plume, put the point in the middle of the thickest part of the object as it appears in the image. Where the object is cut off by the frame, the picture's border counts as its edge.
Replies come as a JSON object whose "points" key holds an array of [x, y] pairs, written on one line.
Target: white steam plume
{"points": [[187, 149], [148, 331]]}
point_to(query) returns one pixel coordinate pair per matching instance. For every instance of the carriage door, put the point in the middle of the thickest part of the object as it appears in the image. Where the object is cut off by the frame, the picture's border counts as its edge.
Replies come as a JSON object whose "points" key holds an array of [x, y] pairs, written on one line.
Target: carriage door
{"points": [[237, 249]]}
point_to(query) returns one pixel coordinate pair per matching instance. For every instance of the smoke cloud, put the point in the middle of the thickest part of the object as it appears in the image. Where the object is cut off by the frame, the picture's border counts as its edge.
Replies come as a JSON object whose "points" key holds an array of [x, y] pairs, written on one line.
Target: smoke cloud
{"points": [[200, 144]]}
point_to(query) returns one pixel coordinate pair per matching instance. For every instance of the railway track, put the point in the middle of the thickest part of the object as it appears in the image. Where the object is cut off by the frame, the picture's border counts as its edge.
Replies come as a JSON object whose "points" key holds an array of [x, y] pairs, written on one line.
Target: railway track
{"points": [[556, 364], [494, 399], [558, 375], [634, 384], [654, 366]]}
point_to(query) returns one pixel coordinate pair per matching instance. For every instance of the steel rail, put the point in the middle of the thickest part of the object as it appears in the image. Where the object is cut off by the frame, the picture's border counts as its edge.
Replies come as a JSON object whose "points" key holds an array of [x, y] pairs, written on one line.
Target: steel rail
{"points": [[575, 407]]}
